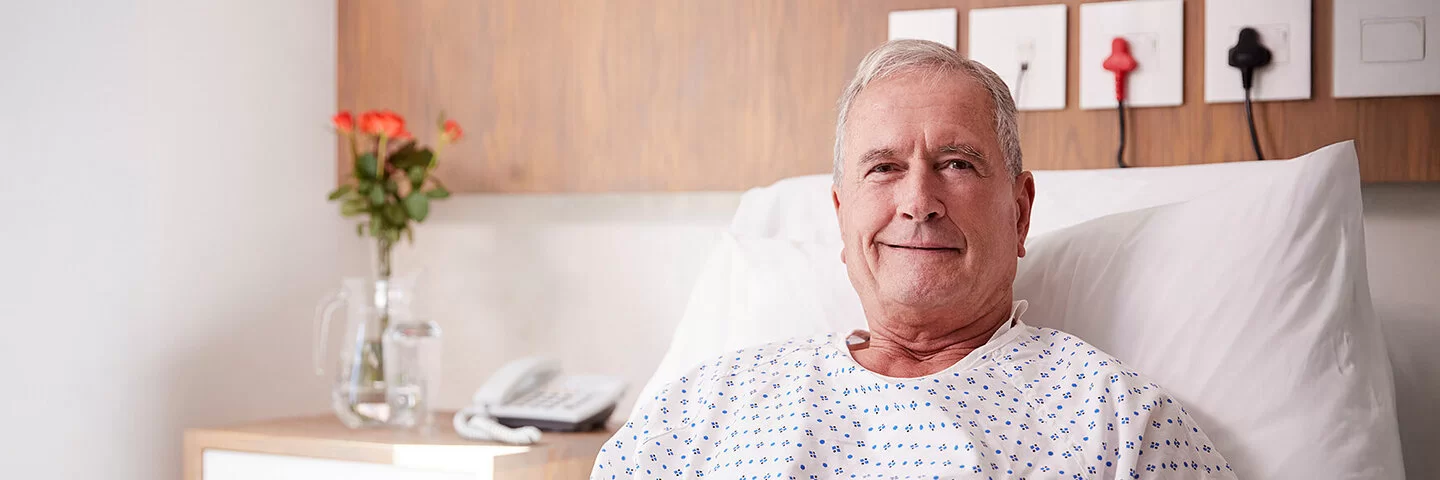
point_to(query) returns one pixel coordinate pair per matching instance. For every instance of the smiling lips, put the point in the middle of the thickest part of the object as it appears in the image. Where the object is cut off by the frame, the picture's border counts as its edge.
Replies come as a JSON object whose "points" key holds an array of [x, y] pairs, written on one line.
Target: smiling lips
{"points": [[922, 247]]}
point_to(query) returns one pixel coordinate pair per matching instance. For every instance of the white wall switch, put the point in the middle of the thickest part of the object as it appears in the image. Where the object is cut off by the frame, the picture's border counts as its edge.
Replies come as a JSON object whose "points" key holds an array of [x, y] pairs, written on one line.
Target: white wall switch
{"points": [[1392, 39], [1156, 32], [936, 25], [1387, 48], [1284, 27], [1002, 38]]}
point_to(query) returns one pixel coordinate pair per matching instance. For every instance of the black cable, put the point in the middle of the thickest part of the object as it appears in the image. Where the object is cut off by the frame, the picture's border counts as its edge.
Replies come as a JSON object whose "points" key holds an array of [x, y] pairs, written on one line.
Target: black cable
{"points": [[1120, 153], [1250, 118]]}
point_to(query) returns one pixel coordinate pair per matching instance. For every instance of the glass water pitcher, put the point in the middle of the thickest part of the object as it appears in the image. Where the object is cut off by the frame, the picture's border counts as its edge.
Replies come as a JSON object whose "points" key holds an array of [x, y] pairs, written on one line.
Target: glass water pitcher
{"points": [[386, 364]]}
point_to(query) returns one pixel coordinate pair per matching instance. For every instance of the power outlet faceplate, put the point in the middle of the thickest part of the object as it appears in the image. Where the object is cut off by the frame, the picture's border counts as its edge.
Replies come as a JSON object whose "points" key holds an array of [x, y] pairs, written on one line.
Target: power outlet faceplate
{"points": [[1003, 38], [1156, 32]]}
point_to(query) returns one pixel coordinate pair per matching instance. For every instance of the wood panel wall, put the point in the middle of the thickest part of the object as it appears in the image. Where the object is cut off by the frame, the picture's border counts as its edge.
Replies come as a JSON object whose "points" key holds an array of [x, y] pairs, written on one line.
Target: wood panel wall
{"points": [[654, 95]]}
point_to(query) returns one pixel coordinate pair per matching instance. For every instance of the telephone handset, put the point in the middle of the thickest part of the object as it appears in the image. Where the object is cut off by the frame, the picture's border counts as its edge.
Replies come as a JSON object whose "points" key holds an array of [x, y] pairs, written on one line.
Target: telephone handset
{"points": [[529, 395]]}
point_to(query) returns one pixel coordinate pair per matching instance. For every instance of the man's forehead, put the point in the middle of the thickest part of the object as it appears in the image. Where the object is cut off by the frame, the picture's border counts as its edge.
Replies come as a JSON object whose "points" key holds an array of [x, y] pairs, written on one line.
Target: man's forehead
{"points": [[924, 88], [947, 111]]}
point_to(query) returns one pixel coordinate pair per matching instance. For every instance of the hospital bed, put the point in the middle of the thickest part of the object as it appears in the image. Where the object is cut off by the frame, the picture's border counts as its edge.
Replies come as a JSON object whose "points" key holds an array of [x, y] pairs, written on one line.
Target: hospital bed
{"points": [[1241, 287]]}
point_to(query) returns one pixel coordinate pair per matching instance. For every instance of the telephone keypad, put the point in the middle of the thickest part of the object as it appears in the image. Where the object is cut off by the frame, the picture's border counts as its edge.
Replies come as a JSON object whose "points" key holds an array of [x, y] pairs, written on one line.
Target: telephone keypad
{"points": [[555, 399]]}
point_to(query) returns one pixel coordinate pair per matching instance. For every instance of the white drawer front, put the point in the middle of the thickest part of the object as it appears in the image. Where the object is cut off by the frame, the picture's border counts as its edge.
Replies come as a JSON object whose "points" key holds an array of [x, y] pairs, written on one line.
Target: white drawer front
{"points": [[231, 465]]}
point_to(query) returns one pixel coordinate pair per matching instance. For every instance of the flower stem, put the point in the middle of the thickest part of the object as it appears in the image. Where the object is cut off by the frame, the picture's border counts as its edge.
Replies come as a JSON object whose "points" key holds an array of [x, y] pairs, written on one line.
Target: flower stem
{"points": [[384, 252], [380, 160], [354, 148]]}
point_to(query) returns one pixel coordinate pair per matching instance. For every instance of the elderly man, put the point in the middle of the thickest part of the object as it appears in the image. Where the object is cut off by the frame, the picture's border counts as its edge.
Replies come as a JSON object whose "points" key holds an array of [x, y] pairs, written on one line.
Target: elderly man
{"points": [[934, 208]]}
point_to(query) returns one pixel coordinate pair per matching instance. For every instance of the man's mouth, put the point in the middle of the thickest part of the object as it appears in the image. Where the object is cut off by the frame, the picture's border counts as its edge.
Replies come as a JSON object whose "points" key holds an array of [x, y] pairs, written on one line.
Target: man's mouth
{"points": [[922, 247]]}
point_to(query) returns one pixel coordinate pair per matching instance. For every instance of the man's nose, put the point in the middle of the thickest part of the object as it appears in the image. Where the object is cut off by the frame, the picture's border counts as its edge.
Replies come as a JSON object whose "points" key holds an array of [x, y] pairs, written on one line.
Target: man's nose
{"points": [[918, 201]]}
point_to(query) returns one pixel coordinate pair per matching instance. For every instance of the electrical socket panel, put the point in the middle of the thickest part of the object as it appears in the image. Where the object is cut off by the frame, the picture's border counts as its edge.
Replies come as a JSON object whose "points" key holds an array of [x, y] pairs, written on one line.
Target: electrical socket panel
{"points": [[1002, 38], [937, 25], [1284, 28], [1387, 48], [1155, 30]]}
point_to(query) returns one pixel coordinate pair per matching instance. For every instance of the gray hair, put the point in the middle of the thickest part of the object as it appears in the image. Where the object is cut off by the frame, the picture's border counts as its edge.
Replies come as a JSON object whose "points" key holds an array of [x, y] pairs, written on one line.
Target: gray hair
{"points": [[899, 56]]}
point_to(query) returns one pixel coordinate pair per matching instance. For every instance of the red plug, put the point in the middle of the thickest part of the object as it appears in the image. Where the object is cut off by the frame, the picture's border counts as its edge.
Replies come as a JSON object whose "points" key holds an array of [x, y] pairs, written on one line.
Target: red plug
{"points": [[1122, 63]]}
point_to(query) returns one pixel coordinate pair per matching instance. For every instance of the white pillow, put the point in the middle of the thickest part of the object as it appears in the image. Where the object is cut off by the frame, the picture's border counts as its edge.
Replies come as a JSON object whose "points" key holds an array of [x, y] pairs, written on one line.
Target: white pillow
{"points": [[1251, 304], [1068, 197], [755, 290], [796, 208]]}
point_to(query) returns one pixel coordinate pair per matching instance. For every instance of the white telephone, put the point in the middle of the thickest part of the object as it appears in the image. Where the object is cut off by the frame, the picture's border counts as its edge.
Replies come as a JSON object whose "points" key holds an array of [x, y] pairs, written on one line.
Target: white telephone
{"points": [[526, 396]]}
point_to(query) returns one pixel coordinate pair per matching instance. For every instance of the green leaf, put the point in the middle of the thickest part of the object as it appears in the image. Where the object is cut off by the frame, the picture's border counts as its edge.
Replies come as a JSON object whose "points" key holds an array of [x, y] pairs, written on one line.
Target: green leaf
{"points": [[417, 205], [360, 229], [416, 174], [364, 186], [375, 222], [352, 208], [406, 158], [409, 234], [377, 196], [365, 166], [339, 191], [393, 236], [407, 148], [395, 214], [391, 186], [438, 192]]}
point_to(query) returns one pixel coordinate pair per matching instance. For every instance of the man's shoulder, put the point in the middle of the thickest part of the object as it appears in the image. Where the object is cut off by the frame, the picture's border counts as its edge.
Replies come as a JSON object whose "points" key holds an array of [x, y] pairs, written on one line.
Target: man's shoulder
{"points": [[1060, 347], [1051, 356], [1056, 369]]}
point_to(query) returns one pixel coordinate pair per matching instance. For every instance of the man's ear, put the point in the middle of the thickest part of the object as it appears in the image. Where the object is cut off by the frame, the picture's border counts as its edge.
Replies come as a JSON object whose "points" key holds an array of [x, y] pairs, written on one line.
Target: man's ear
{"points": [[1024, 191], [835, 198]]}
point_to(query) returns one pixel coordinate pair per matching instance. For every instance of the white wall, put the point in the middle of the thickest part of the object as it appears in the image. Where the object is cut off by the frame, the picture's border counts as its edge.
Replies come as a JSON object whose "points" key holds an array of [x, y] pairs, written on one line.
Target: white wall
{"points": [[1402, 245], [596, 281], [165, 236]]}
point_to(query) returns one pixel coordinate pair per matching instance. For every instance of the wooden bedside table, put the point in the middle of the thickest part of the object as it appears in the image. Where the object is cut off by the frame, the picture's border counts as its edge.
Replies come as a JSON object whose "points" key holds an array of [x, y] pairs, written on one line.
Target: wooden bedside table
{"points": [[321, 447]]}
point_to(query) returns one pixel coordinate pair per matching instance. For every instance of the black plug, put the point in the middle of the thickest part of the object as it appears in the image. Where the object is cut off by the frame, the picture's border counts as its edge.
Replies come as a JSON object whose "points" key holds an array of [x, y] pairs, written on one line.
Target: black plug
{"points": [[1248, 54]]}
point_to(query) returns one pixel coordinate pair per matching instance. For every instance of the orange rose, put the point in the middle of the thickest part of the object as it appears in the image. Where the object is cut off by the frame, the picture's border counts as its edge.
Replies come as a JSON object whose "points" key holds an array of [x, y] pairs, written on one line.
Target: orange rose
{"points": [[384, 123], [370, 122], [452, 131], [343, 121]]}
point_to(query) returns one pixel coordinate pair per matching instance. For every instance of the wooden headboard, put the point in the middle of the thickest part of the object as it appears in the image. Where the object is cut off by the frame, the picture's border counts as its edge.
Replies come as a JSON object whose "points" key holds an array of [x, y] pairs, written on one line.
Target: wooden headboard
{"points": [[655, 95]]}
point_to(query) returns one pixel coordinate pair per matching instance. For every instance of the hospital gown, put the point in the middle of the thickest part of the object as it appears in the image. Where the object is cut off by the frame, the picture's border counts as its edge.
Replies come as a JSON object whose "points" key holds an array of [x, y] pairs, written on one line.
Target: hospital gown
{"points": [[1031, 403]]}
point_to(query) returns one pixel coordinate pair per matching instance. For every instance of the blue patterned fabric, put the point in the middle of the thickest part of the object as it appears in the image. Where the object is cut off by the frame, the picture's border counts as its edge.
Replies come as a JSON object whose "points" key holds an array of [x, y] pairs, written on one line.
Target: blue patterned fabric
{"points": [[1031, 403]]}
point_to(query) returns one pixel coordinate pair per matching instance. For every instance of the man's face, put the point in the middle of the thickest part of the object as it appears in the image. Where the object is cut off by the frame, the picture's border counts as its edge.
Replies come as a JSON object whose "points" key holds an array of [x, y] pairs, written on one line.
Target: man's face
{"points": [[930, 215]]}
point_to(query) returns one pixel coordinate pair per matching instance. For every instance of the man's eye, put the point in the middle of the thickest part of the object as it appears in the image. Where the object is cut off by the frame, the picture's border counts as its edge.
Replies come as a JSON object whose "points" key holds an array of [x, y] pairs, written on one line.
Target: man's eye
{"points": [[883, 168], [959, 164]]}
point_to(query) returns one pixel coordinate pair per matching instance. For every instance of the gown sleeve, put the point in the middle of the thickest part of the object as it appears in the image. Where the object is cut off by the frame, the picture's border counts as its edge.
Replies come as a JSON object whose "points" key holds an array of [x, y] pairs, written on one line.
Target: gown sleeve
{"points": [[1156, 438]]}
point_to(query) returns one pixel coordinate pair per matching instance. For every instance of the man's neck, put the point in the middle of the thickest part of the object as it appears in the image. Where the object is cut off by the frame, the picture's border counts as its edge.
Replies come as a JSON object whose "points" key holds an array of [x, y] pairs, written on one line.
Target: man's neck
{"points": [[907, 345]]}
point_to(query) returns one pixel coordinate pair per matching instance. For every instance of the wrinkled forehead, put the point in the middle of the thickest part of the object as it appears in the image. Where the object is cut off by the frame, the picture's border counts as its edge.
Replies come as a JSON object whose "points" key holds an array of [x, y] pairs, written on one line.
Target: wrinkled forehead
{"points": [[932, 108]]}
